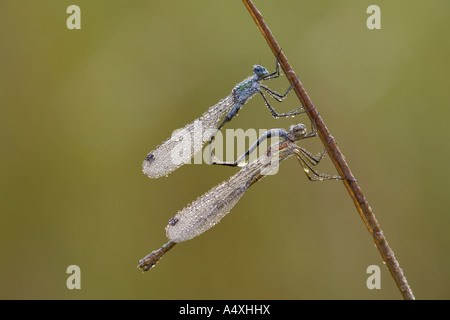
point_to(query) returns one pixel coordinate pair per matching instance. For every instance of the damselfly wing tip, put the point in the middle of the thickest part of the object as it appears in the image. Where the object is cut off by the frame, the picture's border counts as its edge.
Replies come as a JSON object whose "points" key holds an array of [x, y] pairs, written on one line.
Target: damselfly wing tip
{"points": [[152, 171]]}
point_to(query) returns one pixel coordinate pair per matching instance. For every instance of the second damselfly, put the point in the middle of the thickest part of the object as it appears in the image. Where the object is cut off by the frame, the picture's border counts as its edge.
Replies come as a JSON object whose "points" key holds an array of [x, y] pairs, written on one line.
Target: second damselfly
{"points": [[205, 212]]}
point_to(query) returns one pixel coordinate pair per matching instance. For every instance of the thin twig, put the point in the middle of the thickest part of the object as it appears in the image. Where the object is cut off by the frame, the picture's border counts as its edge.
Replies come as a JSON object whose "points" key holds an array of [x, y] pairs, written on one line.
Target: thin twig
{"points": [[364, 210]]}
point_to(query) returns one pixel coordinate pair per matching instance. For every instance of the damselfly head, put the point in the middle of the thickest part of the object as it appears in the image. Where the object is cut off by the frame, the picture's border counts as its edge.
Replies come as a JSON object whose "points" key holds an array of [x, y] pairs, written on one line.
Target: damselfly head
{"points": [[297, 130], [260, 71]]}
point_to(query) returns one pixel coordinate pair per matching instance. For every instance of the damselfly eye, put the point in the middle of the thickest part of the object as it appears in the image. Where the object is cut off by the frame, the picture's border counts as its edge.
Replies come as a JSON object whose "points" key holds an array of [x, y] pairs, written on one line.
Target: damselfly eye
{"points": [[298, 130], [260, 70]]}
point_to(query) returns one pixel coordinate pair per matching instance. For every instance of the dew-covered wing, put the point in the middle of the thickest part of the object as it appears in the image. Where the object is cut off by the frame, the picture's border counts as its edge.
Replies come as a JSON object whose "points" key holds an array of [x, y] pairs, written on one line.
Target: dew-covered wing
{"points": [[210, 208], [186, 142]]}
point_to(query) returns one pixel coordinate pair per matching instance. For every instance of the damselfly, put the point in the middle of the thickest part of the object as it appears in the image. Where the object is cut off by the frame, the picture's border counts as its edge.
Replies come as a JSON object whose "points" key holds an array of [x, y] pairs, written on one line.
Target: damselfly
{"points": [[190, 140], [210, 208]]}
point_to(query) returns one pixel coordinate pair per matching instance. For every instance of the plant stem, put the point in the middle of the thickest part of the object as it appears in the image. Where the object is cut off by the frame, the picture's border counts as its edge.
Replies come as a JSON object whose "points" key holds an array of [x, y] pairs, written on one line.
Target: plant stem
{"points": [[363, 207]]}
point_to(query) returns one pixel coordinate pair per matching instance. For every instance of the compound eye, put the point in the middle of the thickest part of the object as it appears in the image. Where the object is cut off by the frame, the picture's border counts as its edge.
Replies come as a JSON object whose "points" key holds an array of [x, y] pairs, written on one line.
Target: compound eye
{"points": [[260, 70], [298, 130]]}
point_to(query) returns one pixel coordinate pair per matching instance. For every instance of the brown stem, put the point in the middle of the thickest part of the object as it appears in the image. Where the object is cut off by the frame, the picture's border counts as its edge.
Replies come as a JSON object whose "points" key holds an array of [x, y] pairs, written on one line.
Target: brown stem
{"points": [[364, 210]]}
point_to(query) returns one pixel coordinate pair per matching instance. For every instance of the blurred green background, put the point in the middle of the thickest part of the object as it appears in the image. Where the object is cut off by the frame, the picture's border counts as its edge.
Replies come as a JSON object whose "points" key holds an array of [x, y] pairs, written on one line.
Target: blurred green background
{"points": [[80, 110]]}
